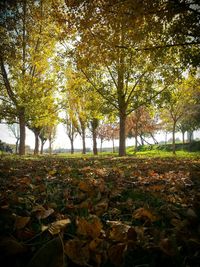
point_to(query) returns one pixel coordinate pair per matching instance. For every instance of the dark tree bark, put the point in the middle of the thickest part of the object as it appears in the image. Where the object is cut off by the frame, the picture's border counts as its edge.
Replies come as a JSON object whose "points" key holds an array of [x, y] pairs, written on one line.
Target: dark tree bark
{"points": [[72, 145], [122, 134], [22, 130], [94, 124], [173, 138], [36, 149]]}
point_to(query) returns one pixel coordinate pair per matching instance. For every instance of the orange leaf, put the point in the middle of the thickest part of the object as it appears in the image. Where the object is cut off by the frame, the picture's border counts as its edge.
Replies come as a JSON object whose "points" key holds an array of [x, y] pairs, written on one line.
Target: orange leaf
{"points": [[77, 251], [143, 214], [21, 222], [115, 254], [57, 226], [91, 228]]}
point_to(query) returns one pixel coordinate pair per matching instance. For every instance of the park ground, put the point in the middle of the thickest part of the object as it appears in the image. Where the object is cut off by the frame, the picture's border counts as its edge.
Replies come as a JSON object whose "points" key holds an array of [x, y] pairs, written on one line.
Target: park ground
{"points": [[139, 210]]}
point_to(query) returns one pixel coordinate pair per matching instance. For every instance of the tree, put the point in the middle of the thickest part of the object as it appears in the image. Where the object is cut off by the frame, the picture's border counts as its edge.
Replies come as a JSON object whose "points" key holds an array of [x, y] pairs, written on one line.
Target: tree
{"points": [[14, 128], [126, 75], [26, 47], [178, 100], [69, 123], [140, 123]]}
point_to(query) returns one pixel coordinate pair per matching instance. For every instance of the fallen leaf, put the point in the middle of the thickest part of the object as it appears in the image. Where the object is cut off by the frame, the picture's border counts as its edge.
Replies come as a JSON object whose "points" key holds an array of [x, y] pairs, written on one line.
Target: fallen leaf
{"points": [[118, 232], [144, 214], [77, 251], [21, 222], [115, 254], [57, 226], [41, 212], [90, 228]]}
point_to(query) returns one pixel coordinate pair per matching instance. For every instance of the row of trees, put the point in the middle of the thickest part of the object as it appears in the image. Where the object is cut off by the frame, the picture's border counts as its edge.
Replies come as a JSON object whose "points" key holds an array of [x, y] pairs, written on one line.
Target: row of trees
{"points": [[97, 61]]}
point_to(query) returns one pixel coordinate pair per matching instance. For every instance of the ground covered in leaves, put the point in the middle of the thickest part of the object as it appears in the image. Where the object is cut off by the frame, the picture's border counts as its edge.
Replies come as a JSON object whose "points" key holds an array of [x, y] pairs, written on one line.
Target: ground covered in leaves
{"points": [[99, 212]]}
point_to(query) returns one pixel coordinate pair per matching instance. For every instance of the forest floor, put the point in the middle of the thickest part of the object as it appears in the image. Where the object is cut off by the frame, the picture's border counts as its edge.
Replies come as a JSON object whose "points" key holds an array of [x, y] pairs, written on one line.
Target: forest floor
{"points": [[109, 211]]}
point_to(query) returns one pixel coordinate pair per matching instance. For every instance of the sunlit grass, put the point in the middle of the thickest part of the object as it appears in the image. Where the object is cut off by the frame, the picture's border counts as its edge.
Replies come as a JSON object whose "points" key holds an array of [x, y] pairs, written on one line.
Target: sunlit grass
{"points": [[130, 153], [167, 154]]}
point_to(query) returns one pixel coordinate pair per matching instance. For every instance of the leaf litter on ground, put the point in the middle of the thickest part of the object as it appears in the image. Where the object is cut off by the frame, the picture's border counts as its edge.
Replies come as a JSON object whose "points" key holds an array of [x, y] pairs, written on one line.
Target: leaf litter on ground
{"points": [[100, 212]]}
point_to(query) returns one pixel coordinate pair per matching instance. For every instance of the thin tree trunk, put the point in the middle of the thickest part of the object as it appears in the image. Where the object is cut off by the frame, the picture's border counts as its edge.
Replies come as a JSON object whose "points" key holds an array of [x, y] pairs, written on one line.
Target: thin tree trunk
{"points": [[154, 139], [17, 146], [101, 145], [122, 134], [183, 137], [142, 140], [94, 124], [83, 141], [50, 145], [173, 138], [36, 149], [72, 145], [42, 147], [113, 143], [136, 137], [22, 130]]}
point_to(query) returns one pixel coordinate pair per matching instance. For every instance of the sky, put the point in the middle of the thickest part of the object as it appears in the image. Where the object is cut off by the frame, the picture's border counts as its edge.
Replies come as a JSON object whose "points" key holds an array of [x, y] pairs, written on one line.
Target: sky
{"points": [[62, 140]]}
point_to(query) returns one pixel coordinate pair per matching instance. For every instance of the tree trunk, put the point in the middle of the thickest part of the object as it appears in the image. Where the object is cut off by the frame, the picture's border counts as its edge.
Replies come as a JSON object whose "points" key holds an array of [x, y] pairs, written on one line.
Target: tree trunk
{"points": [[142, 140], [22, 130], [94, 124], [136, 137], [113, 143], [101, 145], [154, 139], [72, 145], [165, 138], [17, 146], [36, 149], [42, 147], [122, 134], [43, 140], [50, 145], [83, 141], [183, 137], [173, 138]]}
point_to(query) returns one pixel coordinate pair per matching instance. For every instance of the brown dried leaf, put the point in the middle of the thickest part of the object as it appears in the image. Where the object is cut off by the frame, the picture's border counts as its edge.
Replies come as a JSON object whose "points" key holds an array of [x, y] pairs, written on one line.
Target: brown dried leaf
{"points": [[57, 226], [115, 254], [41, 212], [144, 214], [85, 186], [21, 222], [77, 251], [90, 228], [119, 232], [167, 247]]}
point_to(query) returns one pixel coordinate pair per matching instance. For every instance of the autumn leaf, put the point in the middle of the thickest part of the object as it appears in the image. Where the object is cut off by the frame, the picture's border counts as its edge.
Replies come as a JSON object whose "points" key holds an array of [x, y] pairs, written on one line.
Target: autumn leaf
{"points": [[77, 251], [57, 226], [115, 254], [89, 228], [41, 212], [144, 214], [21, 222], [118, 231], [167, 247], [85, 186]]}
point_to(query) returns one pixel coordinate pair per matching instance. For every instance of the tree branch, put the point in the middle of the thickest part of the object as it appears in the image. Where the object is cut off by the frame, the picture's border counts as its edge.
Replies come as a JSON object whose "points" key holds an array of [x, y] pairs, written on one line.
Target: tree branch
{"points": [[7, 83], [157, 46]]}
